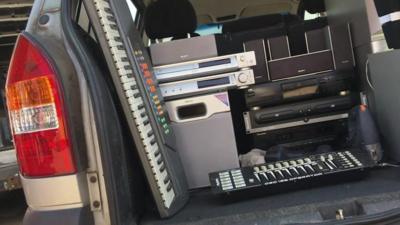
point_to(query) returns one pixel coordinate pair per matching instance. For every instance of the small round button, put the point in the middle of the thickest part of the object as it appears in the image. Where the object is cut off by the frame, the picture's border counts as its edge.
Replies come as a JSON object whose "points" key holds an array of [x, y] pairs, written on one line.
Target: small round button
{"points": [[242, 77]]}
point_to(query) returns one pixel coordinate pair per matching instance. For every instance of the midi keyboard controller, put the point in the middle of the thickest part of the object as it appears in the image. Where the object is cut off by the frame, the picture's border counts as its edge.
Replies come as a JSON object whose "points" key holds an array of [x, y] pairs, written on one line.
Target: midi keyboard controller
{"points": [[279, 175]]}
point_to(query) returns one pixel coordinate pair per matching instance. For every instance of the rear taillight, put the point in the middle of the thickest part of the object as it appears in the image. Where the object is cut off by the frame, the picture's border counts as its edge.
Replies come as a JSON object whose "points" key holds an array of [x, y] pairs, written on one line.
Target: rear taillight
{"points": [[37, 114]]}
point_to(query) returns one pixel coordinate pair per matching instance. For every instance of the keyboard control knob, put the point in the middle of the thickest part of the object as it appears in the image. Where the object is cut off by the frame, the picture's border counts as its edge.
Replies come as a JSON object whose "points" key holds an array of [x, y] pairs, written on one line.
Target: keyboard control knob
{"points": [[293, 163], [278, 165], [270, 166], [256, 169], [322, 158], [307, 160], [285, 164], [300, 161], [330, 157], [242, 78]]}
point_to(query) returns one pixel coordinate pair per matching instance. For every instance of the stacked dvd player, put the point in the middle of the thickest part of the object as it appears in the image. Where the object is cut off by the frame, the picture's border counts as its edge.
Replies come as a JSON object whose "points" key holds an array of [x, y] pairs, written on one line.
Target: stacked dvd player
{"points": [[197, 101], [206, 75]]}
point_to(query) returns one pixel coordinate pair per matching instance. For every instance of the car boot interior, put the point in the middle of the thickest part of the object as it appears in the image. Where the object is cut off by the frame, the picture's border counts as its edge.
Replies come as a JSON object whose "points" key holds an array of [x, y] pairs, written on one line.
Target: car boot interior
{"points": [[268, 94]]}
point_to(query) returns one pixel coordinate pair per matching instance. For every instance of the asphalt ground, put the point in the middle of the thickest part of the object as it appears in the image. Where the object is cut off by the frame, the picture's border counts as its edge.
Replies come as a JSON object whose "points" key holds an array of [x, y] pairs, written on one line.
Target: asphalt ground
{"points": [[12, 207]]}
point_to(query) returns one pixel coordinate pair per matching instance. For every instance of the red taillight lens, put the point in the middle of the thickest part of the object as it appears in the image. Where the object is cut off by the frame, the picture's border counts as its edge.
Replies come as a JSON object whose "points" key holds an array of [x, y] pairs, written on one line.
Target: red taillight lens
{"points": [[37, 115]]}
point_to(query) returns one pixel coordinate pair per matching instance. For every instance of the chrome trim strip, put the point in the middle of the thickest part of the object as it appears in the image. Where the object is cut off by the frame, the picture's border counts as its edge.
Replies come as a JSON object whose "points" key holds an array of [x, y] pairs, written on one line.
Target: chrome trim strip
{"points": [[288, 46], [251, 130], [269, 50], [351, 44], [333, 51], [266, 60]]}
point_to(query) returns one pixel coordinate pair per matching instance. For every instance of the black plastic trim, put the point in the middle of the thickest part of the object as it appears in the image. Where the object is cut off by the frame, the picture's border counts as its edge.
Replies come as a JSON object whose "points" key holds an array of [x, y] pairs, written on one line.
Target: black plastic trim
{"points": [[389, 217], [108, 124], [74, 216]]}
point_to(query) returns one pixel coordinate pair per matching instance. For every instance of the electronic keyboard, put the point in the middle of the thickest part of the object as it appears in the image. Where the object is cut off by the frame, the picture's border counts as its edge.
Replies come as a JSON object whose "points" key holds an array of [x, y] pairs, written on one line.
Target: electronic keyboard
{"points": [[290, 174], [142, 103]]}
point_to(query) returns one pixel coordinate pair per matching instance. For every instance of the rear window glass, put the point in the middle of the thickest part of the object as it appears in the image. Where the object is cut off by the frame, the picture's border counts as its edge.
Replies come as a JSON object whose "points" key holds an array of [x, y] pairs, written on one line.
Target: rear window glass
{"points": [[207, 29]]}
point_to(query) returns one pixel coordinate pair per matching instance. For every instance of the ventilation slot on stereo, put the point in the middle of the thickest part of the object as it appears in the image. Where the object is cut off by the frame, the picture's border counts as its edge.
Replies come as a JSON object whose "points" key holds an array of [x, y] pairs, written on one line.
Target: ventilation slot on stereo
{"points": [[192, 111]]}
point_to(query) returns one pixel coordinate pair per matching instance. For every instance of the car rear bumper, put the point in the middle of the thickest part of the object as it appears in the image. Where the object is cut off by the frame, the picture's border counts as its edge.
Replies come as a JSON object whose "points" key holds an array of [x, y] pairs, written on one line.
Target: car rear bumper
{"points": [[71, 216]]}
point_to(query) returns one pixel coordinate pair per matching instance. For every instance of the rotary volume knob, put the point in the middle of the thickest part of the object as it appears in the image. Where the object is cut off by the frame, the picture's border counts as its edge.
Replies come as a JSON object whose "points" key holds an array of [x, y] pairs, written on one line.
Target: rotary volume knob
{"points": [[242, 78]]}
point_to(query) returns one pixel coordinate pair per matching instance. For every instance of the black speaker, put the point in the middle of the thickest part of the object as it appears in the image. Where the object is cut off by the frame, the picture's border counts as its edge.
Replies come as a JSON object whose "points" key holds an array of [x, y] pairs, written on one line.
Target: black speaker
{"points": [[317, 40], [342, 47], [297, 39], [260, 70], [301, 65], [278, 47]]}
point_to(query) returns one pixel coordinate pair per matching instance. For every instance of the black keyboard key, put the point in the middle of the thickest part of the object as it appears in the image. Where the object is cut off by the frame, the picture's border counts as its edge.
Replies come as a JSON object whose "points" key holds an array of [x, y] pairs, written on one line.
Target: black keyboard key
{"points": [[263, 177], [107, 10], [286, 174], [162, 167], [279, 175], [294, 172], [159, 160], [141, 106], [166, 179], [113, 26], [169, 187], [271, 176], [111, 18], [302, 170], [309, 169], [316, 168], [118, 39]]}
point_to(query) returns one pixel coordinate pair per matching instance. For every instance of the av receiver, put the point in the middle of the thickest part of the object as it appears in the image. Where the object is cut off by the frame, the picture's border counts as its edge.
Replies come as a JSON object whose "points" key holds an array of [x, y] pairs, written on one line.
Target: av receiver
{"points": [[298, 114], [213, 83], [303, 88], [203, 67]]}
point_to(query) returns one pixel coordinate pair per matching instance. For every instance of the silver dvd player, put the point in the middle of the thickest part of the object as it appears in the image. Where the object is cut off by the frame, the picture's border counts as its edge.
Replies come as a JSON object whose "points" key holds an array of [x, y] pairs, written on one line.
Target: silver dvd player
{"points": [[207, 84], [198, 68]]}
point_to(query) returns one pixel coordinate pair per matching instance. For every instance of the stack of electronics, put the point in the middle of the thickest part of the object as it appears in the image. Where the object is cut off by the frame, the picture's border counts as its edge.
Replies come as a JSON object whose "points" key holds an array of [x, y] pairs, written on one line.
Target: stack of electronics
{"points": [[198, 104], [298, 100], [299, 112]]}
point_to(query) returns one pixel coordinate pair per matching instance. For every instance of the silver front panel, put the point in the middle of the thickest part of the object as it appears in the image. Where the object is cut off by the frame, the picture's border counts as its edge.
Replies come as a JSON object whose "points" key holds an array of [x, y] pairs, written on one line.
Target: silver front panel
{"points": [[205, 144]]}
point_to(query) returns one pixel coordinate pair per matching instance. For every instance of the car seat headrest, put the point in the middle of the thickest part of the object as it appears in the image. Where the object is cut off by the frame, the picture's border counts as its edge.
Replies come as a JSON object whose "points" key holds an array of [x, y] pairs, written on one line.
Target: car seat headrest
{"points": [[169, 18]]}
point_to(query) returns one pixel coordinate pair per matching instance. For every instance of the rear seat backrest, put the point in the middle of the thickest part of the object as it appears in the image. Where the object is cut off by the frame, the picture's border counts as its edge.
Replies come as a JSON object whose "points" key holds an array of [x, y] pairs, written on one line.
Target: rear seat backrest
{"points": [[170, 18], [296, 33], [233, 42]]}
